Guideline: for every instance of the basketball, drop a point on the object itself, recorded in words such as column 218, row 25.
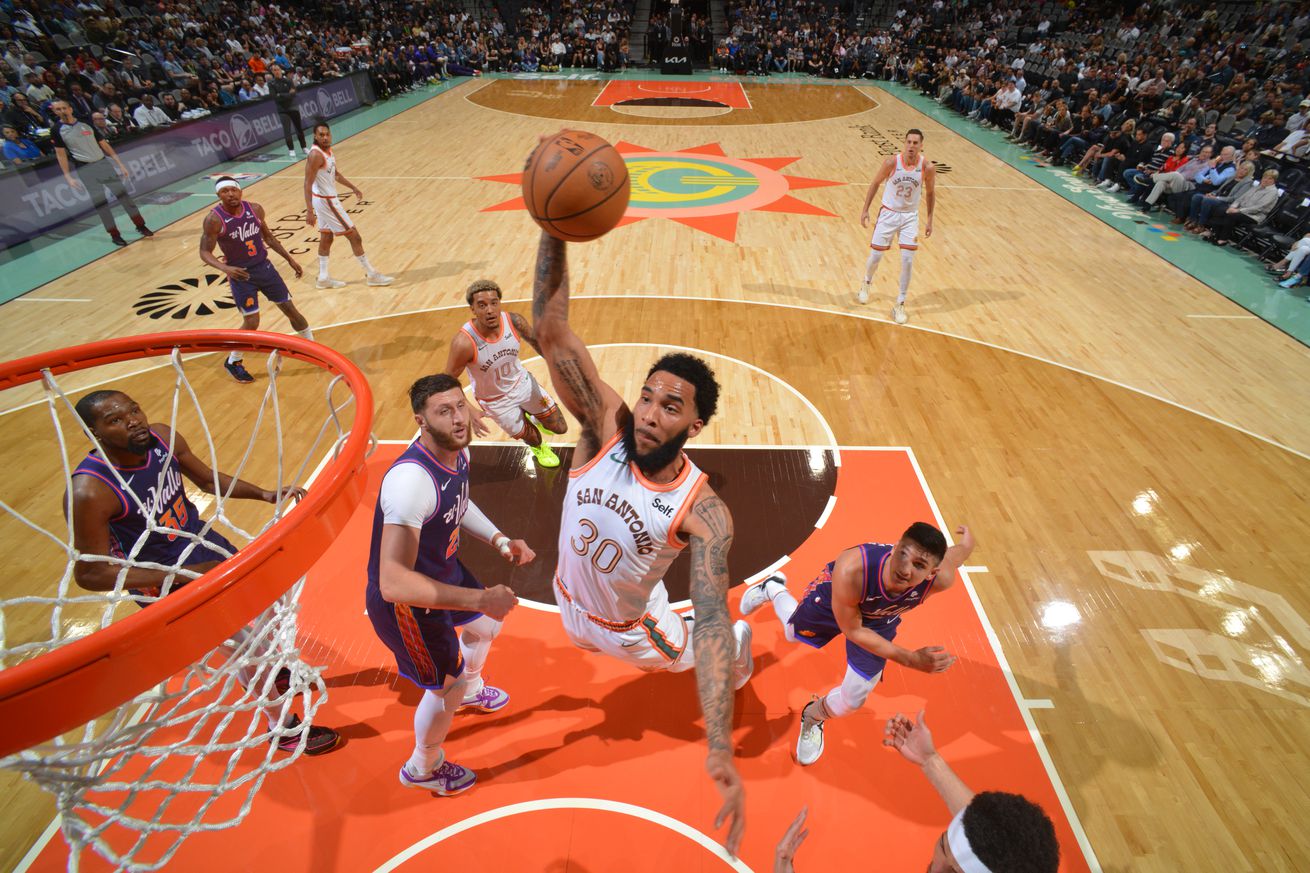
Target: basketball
column 575, row 185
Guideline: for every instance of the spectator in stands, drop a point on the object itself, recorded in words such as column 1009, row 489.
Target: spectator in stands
column 100, row 124
column 19, row 150
column 1145, row 183
column 37, row 90
column 120, row 120
column 1139, row 176
column 25, row 117
column 170, row 107
column 1203, row 204
column 1179, row 179
column 149, row 115
column 1295, row 265
column 1249, row 206
column 1118, row 149
column 1297, row 142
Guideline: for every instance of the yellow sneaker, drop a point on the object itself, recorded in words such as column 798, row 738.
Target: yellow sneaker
column 545, row 456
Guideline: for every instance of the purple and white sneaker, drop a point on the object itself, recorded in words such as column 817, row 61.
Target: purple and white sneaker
column 487, row 699
column 446, row 780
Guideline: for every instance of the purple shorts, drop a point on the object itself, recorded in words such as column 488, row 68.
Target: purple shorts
column 263, row 280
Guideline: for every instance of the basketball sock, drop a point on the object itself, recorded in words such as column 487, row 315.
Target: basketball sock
column 431, row 722
column 307, row 333
column 907, row 267
column 322, row 266
column 368, row 268
column 783, row 604
column 234, row 358
column 871, row 265
column 475, row 644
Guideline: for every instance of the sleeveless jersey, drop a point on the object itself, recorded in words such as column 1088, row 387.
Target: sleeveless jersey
column 495, row 369
column 158, row 486
column 325, row 180
column 618, row 533
column 240, row 239
column 878, row 609
column 438, row 539
column 901, row 194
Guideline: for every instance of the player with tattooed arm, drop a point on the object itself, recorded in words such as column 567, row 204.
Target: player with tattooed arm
column 634, row 501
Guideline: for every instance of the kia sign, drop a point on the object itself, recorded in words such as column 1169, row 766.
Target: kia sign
column 39, row 199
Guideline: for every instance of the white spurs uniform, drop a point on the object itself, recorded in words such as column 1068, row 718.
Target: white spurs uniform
column 328, row 210
column 500, row 384
column 899, row 214
column 617, row 537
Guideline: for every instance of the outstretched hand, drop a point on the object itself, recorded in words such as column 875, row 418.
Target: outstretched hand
column 912, row 740
column 726, row 778
column 790, row 842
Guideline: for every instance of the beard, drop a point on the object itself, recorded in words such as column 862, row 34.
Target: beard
column 449, row 441
column 656, row 459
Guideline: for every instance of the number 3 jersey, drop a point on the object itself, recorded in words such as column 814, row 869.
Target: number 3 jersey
column 154, row 491
column 618, row 533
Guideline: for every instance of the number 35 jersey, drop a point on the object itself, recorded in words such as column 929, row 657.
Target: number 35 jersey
column 618, row 533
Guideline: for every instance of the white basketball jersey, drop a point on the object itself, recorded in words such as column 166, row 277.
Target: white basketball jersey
column 495, row 369
column 325, row 180
column 619, row 532
column 901, row 193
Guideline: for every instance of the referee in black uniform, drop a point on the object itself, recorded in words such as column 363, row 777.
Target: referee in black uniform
column 83, row 150
column 283, row 91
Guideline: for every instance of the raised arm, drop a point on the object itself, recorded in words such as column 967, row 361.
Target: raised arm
column 956, row 555
column 709, row 528
column 884, row 172
column 593, row 403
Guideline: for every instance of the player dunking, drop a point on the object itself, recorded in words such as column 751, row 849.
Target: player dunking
column 131, row 482
column 634, row 500
column 324, row 210
column 861, row 596
column 419, row 591
column 907, row 176
column 488, row 347
column 237, row 227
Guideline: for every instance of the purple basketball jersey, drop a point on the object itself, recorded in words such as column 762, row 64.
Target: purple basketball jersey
column 240, row 239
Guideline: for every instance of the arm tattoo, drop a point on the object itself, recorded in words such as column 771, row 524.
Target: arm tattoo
column 550, row 285
column 525, row 331
column 712, row 634
column 573, row 377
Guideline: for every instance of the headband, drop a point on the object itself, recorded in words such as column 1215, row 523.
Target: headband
column 226, row 183
column 960, row 848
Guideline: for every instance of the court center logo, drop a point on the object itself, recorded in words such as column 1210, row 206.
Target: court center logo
column 206, row 295
column 702, row 188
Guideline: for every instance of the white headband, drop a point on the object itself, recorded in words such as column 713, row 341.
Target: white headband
column 226, row 183
column 965, row 859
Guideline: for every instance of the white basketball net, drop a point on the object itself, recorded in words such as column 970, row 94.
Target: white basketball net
column 189, row 754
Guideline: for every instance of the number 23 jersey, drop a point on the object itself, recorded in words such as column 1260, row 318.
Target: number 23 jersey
column 618, row 533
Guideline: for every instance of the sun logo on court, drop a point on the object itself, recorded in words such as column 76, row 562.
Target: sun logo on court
column 191, row 296
column 700, row 187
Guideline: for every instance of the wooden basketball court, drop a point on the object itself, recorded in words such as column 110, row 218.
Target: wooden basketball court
column 1129, row 450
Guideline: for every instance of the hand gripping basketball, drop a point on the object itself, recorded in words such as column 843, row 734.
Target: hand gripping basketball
column 575, row 186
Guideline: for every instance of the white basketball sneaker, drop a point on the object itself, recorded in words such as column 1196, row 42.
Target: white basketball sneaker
column 862, row 296
column 756, row 596
column 898, row 314
column 447, row 779
column 744, row 665
column 379, row 279
column 809, row 745
column 329, row 282
column 488, row 698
